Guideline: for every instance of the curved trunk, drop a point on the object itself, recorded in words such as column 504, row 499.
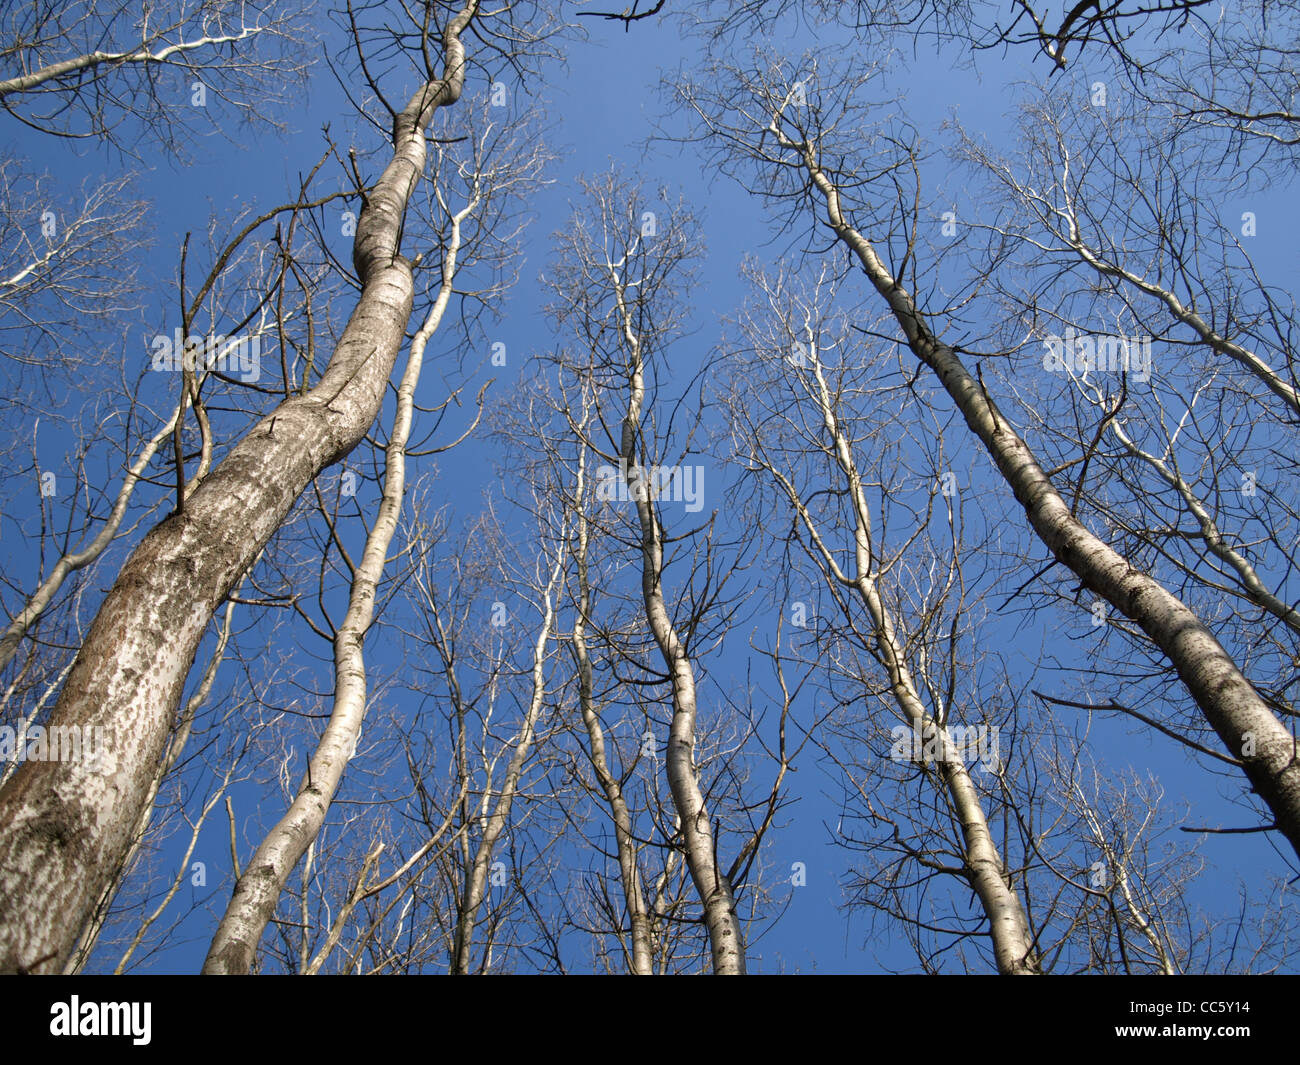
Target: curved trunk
column 714, row 888
column 64, row 826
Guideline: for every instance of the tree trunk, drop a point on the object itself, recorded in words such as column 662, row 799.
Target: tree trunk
column 726, row 945
column 64, row 826
column 1248, row 729
column 258, row 891
column 642, row 960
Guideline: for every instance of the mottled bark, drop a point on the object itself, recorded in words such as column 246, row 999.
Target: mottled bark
column 65, row 826
column 256, row 894
column 175, row 748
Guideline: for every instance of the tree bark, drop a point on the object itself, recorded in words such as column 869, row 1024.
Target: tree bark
column 65, row 826
column 258, row 890
column 1248, row 729
column 720, row 918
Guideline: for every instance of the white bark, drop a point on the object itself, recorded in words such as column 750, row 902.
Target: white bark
column 78, row 65
column 1211, row 535
column 720, row 918
column 64, row 827
column 175, row 748
column 1248, row 729
column 40, row 599
column 1013, row 940
column 1239, row 353
column 258, row 890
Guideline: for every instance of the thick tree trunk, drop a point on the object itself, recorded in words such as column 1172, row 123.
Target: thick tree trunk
column 258, row 891
column 65, row 826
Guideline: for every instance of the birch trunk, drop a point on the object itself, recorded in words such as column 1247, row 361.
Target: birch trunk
column 641, row 963
column 1249, row 730
column 65, row 827
column 726, row 945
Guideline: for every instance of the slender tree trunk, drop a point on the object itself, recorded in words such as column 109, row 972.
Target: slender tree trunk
column 258, row 890
column 641, row 963
column 720, row 918
column 76, row 560
column 1013, row 940
column 64, row 827
column 494, row 824
column 1249, row 730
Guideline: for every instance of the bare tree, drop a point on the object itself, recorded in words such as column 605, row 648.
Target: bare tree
column 65, row 268
column 799, row 423
column 485, row 180
column 822, row 176
column 634, row 899
column 134, row 660
column 555, row 729
column 616, row 284
column 83, row 70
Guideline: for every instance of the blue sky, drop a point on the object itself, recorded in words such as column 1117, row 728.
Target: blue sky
column 603, row 107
